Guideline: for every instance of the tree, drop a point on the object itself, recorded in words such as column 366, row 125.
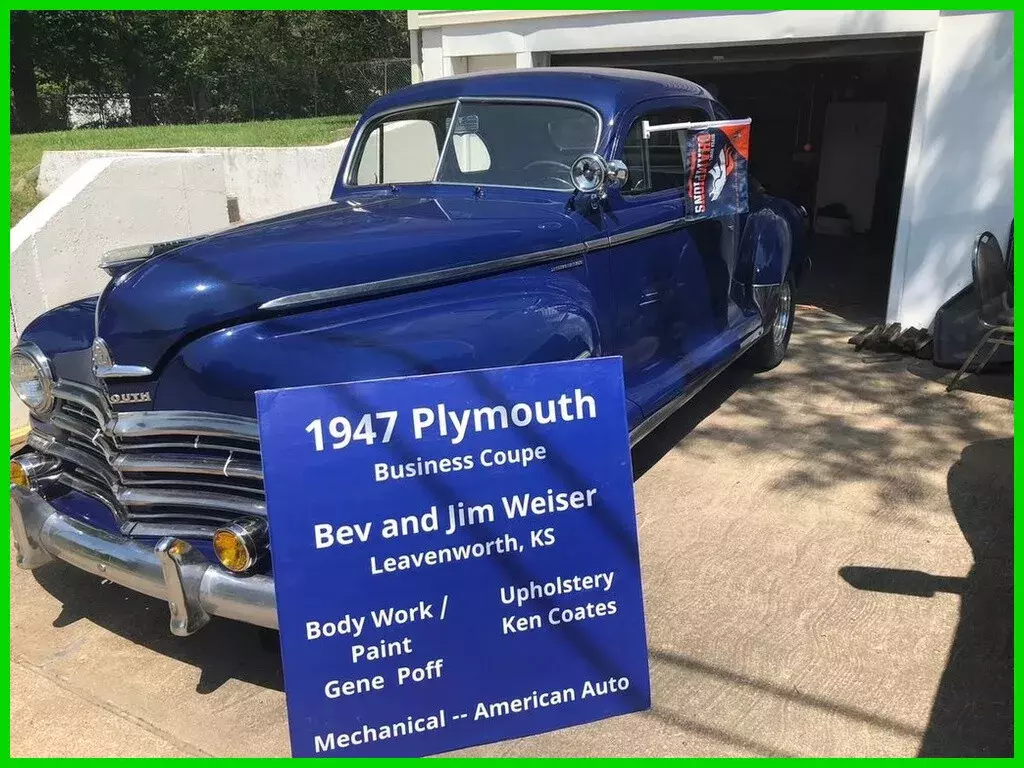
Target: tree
column 23, row 72
column 196, row 66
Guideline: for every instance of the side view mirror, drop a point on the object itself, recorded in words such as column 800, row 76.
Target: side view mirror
column 592, row 174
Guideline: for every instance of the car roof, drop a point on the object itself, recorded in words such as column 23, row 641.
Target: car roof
column 609, row 90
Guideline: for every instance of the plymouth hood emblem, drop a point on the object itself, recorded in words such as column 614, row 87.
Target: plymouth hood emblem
column 121, row 398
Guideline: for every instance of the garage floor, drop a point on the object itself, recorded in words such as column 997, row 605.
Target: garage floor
column 827, row 568
column 849, row 277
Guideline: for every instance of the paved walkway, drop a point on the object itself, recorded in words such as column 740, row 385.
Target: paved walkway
column 827, row 562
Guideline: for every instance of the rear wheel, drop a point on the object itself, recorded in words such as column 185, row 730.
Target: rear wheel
column 771, row 349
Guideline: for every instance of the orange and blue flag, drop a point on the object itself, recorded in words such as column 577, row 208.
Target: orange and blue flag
column 716, row 168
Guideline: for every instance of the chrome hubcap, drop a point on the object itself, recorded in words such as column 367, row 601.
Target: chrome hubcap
column 782, row 312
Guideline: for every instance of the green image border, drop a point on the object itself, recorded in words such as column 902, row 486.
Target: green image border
column 482, row 5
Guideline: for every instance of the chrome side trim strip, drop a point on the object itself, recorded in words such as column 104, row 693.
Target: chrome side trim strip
column 649, row 231
column 652, row 422
column 453, row 274
column 134, row 497
column 150, row 423
column 437, row 277
column 633, row 235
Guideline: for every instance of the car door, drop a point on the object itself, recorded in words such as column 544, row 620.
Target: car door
column 669, row 278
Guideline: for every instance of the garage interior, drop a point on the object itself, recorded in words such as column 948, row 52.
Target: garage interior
column 831, row 130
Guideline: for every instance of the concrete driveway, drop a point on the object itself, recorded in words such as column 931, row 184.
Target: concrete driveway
column 827, row 557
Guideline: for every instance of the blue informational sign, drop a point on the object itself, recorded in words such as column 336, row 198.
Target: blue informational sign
column 455, row 557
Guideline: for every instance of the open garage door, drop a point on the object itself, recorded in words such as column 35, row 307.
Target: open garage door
column 831, row 129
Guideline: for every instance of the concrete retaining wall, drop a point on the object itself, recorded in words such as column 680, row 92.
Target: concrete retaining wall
column 96, row 200
column 107, row 203
column 19, row 413
column 265, row 180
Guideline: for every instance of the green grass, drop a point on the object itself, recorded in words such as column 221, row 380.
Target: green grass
column 27, row 148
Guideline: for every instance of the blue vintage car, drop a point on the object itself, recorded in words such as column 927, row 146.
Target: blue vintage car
column 480, row 221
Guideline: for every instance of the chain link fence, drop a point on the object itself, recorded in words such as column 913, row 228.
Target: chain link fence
column 345, row 88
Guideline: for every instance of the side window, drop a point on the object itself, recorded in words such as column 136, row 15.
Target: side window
column 665, row 152
column 412, row 143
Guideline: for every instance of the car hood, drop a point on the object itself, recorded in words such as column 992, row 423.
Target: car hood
column 225, row 278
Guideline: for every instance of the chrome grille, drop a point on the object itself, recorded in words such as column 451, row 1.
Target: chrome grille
column 190, row 468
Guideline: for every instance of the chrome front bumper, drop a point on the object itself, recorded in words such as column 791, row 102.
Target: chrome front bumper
column 195, row 589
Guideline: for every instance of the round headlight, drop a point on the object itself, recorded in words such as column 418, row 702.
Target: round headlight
column 31, row 378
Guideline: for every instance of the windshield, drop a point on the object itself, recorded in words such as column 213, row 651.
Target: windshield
column 474, row 142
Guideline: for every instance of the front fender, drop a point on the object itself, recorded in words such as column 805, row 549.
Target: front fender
column 529, row 317
column 65, row 335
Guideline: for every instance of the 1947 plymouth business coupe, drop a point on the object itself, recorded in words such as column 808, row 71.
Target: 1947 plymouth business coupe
column 481, row 221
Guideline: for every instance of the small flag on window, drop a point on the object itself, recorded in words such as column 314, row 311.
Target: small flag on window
column 716, row 168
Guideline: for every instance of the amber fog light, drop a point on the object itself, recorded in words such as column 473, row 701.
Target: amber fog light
column 238, row 546
column 19, row 476
column 28, row 468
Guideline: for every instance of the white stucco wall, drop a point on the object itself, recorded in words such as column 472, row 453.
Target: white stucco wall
column 107, row 203
column 959, row 179
column 533, row 35
column 264, row 180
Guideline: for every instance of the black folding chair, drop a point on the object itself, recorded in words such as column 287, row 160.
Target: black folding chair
column 992, row 286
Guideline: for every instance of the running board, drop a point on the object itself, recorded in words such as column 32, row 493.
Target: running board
column 652, row 422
